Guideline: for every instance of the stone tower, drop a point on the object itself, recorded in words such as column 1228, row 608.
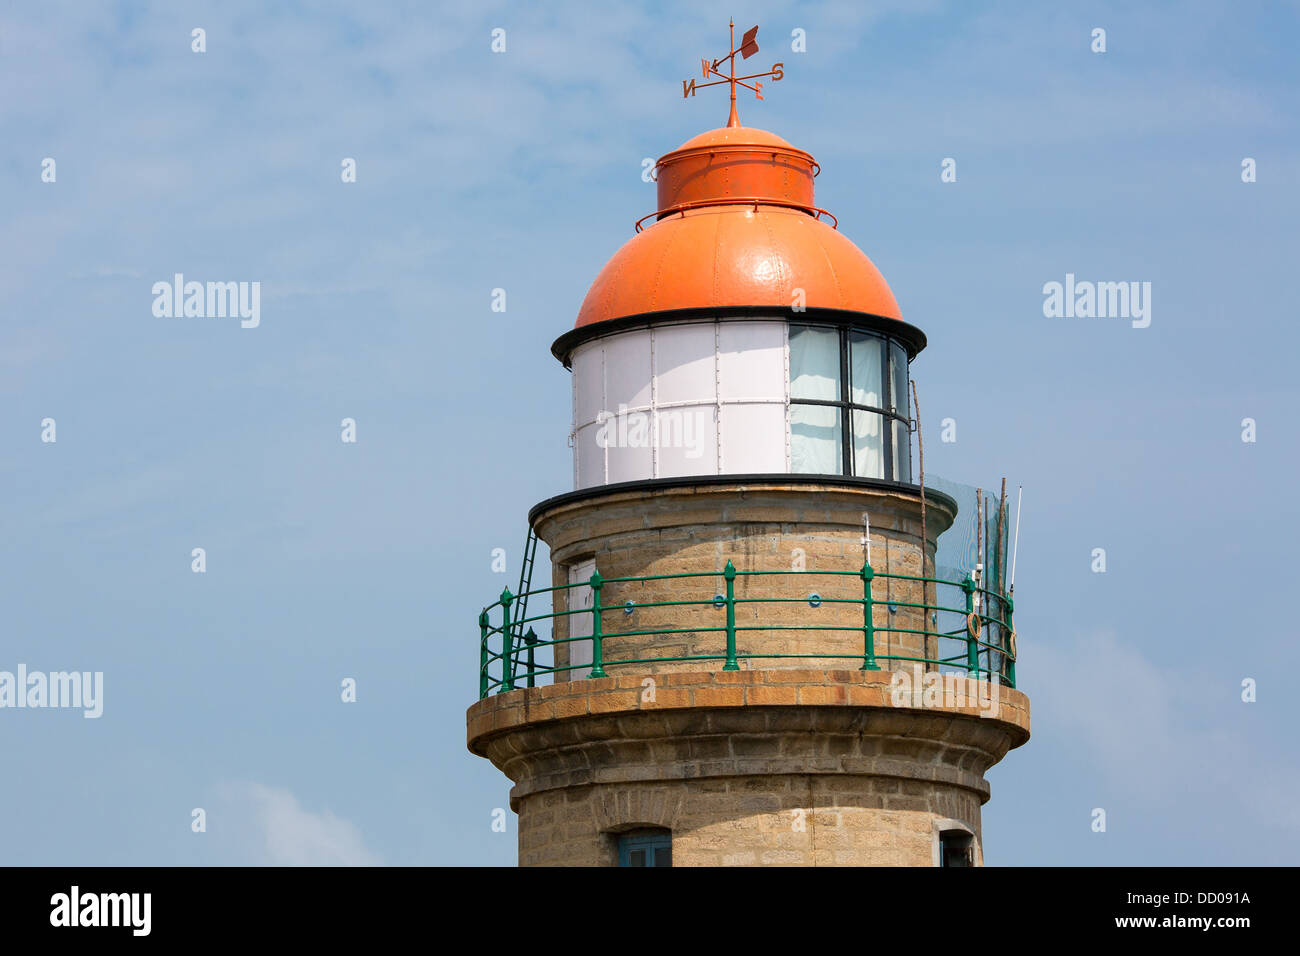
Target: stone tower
column 745, row 655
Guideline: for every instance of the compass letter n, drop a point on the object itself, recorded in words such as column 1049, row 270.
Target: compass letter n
column 688, row 88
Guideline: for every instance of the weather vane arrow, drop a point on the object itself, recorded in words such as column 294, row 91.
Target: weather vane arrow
column 748, row 47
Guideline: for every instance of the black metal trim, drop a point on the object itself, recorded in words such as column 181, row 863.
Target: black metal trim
column 912, row 338
column 654, row 484
column 846, row 391
column 861, row 408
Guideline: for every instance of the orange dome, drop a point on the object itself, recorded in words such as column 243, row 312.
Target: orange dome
column 736, row 227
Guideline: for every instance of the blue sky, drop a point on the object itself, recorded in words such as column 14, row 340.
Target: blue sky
column 522, row 171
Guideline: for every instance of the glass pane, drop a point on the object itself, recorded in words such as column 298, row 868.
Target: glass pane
column 636, row 858
column 868, row 445
column 902, row 452
column 814, row 363
column 866, row 366
column 664, row 856
column 901, row 399
column 816, row 445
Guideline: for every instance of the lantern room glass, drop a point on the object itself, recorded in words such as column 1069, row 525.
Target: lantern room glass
column 848, row 404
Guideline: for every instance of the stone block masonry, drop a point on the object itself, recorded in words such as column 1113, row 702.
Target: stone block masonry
column 777, row 767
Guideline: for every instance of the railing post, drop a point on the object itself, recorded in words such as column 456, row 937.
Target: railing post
column 507, row 643
column 868, row 622
column 729, row 574
column 972, row 644
column 1011, row 640
column 483, row 655
column 530, row 639
column 597, row 652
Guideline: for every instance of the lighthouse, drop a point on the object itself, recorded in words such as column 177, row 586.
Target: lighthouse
column 746, row 653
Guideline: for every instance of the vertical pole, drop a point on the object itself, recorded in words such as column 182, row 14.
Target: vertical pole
column 986, row 602
column 1011, row 657
column 729, row 573
column 1015, row 544
column 1002, row 539
column 868, row 622
column 507, row 646
column 597, row 652
column 972, row 645
column 734, row 118
column 483, row 655
column 925, row 538
column 530, row 639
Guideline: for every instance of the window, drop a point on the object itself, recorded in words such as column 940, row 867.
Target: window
column 848, row 404
column 955, row 848
column 645, row 848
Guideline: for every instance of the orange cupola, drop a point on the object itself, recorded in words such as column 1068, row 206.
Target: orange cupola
column 737, row 226
column 742, row 314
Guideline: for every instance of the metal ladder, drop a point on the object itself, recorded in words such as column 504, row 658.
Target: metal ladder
column 517, row 627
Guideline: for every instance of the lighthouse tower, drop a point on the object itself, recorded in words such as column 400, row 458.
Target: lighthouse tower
column 745, row 654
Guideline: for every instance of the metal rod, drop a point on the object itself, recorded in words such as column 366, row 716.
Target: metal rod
column 729, row 573
column 925, row 543
column 483, row 656
column 1002, row 534
column 868, row 622
column 1020, row 493
column 972, row 644
column 597, row 650
column 507, row 672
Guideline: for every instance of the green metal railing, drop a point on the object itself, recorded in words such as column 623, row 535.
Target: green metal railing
column 975, row 636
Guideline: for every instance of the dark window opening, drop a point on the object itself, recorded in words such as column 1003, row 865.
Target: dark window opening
column 956, row 848
column 645, row 848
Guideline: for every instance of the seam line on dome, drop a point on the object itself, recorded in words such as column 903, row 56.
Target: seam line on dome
column 717, row 238
column 659, row 268
column 771, row 244
column 839, row 291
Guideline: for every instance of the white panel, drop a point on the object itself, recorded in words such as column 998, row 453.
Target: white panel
column 580, row 652
column 627, row 370
column 753, row 439
column 591, row 457
column 751, row 361
column 588, row 382
column 688, row 441
column 628, row 440
column 684, row 364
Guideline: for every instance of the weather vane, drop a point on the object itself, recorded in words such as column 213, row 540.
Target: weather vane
column 748, row 47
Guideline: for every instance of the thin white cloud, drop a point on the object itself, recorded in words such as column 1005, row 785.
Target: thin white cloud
column 281, row 832
column 1142, row 726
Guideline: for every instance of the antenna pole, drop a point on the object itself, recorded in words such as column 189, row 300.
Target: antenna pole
column 1020, row 493
column 925, row 543
column 734, row 118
